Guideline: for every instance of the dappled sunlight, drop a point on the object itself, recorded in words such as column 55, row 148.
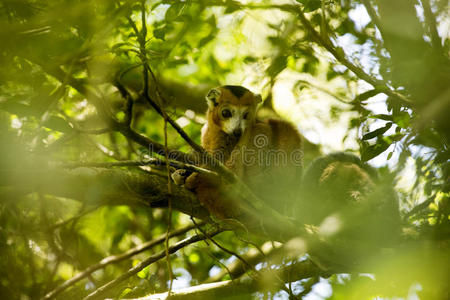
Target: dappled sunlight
column 330, row 225
column 266, row 149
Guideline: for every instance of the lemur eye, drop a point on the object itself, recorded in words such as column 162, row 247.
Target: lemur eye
column 245, row 116
column 226, row 113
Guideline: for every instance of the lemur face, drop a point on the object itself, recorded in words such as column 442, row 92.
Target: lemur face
column 232, row 108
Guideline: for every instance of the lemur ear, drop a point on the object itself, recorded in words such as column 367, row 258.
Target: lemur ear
column 212, row 98
column 258, row 98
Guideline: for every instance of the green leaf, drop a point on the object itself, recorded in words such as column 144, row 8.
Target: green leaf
column 331, row 74
column 174, row 11
column 250, row 59
column 205, row 40
column 176, row 62
column 316, row 19
column 389, row 155
column 382, row 117
column 212, row 21
column 393, row 105
column 371, row 151
column 402, row 119
column 310, row 67
column 377, row 132
column 278, row 65
column 428, row 188
column 143, row 273
column 119, row 45
column 125, row 292
column 58, row 124
column 394, row 137
column 310, row 5
column 160, row 33
column 366, row 95
column 232, row 6
column 22, row 110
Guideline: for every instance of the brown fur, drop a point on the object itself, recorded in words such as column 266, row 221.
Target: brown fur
column 268, row 177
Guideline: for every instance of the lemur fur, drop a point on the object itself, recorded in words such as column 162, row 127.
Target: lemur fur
column 265, row 154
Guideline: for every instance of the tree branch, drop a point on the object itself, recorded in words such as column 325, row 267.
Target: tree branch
column 263, row 281
column 133, row 163
column 236, row 268
column 141, row 36
column 104, row 186
column 375, row 18
column 105, row 113
column 326, row 91
column 338, row 53
column 100, row 292
column 115, row 259
column 430, row 19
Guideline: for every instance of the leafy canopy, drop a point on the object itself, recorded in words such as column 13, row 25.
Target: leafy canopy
column 373, row 73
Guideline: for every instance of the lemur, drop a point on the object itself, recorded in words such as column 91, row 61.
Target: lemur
column 265, row 154
column 349, row 201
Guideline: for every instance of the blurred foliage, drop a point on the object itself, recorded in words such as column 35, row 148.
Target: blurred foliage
column 49, row 49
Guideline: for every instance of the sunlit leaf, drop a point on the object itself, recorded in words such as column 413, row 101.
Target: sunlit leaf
column 371, row 151
column 310, row 5
column 58, row 124
column 377, row 132
column 278, row 65
column 160, row 33
column 382, row 117
column 175, row 11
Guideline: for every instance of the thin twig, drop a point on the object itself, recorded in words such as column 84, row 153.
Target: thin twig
column 103, row 149
column 246, row 285
column 172, row 249
column 146, row 95
column 55, row 96
column 223, row 248
column 323, row 22
column 247, row 265
column 128, row 101
column 83, row 87
column 325, row 42
column 94, row 131
column 76, row 217
column 430, row 19
column 236, row 269
column 339, row 54
column 173, row 123
column 217, row 260
column 307, row 286
column 117, row 258
column 416, row 209
column 142, row 38
column 133, row 163
column 169, row 200
column 244, row 261
column 375, row 18
column 323, row 90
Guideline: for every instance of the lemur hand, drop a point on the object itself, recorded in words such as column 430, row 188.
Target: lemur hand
column 180, row 175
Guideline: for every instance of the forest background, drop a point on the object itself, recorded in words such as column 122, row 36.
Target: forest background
column 87, row 88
